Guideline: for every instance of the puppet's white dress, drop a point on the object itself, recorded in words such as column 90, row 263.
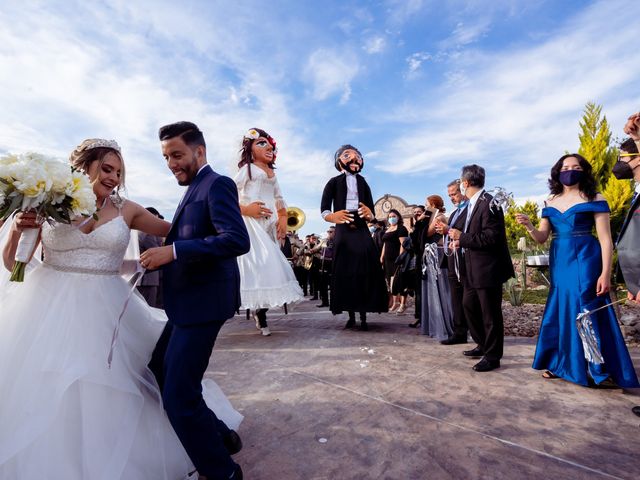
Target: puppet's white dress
column 64, row 415
column 266, row 277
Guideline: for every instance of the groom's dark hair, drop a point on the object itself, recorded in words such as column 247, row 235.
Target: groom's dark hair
column 188, row 131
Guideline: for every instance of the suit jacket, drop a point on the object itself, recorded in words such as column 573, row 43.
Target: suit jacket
column 628, row 268
column 335, row 191
column 458, row 224
column 150, row 278
column 635, row 205
column 487, row 262
column 203, row 283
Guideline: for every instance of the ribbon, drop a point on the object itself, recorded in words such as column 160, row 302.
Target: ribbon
column 501, row 199
column 135, row 280
column 588, row 336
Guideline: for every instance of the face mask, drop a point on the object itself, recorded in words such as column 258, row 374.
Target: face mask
column 570, row 177
column 463, row 204
column 372, row 229
column 393, row 220
column 622, row 170
column 463, row 189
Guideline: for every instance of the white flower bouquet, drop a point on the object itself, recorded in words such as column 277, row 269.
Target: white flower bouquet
column 54, row 190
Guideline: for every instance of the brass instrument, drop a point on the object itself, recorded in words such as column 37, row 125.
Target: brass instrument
column 295, row 219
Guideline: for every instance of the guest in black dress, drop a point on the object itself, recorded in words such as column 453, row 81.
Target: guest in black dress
column 357, row 283
column 392, row 248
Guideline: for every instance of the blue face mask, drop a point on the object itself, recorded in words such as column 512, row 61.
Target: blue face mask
column 463, row 203
column 570, row 177
column 393, row 220
column 372, row 229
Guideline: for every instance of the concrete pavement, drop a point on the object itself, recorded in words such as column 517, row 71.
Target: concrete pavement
column 321, row 402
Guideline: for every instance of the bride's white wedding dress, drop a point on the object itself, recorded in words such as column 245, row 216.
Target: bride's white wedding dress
column 64, row 415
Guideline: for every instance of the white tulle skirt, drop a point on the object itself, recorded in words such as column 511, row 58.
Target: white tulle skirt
column 63, row 413
column 266, row 277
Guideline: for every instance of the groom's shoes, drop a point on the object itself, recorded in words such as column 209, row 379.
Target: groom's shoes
column 232, row 442
column 237, row 474
column 486, row 365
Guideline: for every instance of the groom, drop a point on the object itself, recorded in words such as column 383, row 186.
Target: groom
column 201, row 291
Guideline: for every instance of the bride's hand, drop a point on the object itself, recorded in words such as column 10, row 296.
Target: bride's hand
column 24, row 220
column 603, row 284
column 156, row 257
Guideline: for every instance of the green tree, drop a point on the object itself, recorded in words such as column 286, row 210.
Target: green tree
column 513, row 228
column 595, row 146
column 594, row 143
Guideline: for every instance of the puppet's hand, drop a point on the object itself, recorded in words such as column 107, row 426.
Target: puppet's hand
column 365, row 212
column 341, row 216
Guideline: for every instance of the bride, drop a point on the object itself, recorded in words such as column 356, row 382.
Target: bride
column 64, row 413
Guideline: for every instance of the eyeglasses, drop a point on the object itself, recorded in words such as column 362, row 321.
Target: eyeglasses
column 346, row 155
column 620, row 155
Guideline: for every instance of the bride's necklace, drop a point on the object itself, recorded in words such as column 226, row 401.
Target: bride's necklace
column 86, row 220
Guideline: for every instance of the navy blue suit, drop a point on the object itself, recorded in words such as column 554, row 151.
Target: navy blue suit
column 201, row 291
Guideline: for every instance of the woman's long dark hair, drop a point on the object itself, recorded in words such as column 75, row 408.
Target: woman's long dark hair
column 587, row 183
column 245, row 151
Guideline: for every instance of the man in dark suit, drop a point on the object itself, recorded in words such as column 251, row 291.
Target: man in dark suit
column 485, row 266
column 457, row 221
column 201, row 292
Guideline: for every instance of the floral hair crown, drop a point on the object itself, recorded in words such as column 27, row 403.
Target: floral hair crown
column 102, row 143
column 252, row 134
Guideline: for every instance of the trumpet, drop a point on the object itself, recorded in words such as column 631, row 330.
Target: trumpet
column 295, row 219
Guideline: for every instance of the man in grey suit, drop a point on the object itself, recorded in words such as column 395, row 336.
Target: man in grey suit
column 151, row 282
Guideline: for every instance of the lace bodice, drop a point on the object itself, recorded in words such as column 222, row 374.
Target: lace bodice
column 100, row 251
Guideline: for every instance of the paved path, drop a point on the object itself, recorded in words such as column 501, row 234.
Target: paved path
column 324, row 403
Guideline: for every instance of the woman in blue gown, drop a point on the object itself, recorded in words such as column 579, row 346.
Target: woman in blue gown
column 580, row 267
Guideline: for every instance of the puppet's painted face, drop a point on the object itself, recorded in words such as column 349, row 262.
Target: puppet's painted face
column 350, row 161
column 262, row 151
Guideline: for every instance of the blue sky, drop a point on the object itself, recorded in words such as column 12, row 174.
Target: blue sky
column 420, row 87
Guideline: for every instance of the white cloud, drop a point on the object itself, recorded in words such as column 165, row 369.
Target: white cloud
column 65, row 81
column 330, row 73
column 522, row 105
column 415, row 61
column 374, row 45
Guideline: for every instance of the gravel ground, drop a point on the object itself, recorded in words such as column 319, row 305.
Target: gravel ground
column 524, row 321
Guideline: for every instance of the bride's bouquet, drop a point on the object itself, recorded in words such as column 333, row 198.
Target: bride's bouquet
column 56, row 191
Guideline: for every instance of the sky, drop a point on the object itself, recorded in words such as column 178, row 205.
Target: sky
column 421, row 87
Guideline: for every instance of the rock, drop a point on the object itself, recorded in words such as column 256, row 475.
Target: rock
column 628, row 319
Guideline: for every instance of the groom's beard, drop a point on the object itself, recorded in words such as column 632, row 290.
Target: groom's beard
column 190, row 171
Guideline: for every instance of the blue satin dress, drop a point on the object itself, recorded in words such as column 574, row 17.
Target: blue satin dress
column 575, row 261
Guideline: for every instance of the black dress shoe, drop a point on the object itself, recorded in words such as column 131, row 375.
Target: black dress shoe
column 322, row 305
column 453, row 340
column 636, row 410
column 475, row 353
column 485, row 365
column 415, row 324
column 364, row 327
column 350, row 323
column 237, row 474
column 232, row 442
